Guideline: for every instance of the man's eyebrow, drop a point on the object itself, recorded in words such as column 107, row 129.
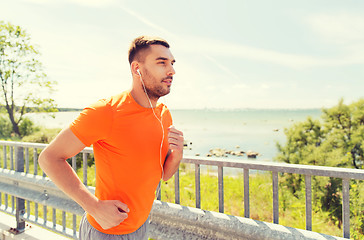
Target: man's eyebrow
column 164, row 59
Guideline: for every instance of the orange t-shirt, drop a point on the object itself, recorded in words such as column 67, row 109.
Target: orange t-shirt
column 126, row 139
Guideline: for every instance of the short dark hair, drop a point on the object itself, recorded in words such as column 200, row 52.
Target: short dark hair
column 142, row 43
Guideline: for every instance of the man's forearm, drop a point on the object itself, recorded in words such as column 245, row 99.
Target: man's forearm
column 63, row 176
column 171, row 165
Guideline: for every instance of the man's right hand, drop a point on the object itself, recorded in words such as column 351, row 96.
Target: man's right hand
column 110, row 213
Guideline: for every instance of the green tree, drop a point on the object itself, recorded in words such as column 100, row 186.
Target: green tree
column 345, row 132
column 24, row 85
column 336, row 140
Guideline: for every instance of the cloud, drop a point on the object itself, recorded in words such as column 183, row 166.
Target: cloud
column 222, row 67
column 264, row 86
column 211, row 48
column 42, row 2
column 94, row 3
column 217, row 48
column 146, row 21
column 87, row 3
column 343, row 28
column 340, row 28
column 241, row 86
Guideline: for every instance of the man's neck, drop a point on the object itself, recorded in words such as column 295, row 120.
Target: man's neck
column 141, row 98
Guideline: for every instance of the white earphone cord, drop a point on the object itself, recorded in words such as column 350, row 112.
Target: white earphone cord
column 160, row 121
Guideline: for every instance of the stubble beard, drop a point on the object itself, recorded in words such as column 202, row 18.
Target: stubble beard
column 156, row 91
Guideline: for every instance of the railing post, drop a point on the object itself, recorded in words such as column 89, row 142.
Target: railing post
column 20, row 203
column 35, row 161
column 176, row 187
column 197, row 185
column 74, row 219
column 11, row 149
column 221, row 188
column 308, row 202
column 84, row 165
column 346, row 208
column 63, row 221
column 159, row 190
column 246, row 194
column 275, row 197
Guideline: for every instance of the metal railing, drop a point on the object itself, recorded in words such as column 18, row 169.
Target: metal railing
column 275, row 168
column 19, row 182
column 21, row 179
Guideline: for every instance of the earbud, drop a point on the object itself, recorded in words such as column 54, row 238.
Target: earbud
column 138, row 71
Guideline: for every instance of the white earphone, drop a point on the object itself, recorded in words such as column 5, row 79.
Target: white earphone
column 160, row 121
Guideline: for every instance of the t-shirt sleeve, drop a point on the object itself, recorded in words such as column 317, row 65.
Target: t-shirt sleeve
column 93, row 123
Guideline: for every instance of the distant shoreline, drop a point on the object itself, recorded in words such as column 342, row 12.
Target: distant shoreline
column 69, row 109
column 34, row 110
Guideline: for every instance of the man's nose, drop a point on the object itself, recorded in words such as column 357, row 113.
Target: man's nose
column 171, row 71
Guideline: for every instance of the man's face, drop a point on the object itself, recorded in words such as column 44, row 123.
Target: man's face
column 157, row 71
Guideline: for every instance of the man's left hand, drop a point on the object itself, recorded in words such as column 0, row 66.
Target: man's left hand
column 176, row 141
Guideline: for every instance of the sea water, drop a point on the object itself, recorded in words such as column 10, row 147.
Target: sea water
column 256, row 130
column 244, row 130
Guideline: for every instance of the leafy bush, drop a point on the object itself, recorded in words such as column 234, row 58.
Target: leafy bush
column 26, row 127
column 42, row 135
column 5, row 127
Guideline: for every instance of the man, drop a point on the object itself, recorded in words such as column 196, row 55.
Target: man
column 135, row 145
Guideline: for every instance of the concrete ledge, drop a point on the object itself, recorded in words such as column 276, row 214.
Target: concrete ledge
column 172, row 221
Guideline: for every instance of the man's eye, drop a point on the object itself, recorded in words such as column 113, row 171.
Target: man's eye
column 161, row 62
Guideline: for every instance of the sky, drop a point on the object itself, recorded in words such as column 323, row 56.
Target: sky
column 229, row 54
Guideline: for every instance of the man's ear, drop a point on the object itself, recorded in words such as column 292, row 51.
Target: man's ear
column 134, row 68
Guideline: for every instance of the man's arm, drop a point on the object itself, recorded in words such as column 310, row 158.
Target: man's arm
column 175, row 154
column 53, row 161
